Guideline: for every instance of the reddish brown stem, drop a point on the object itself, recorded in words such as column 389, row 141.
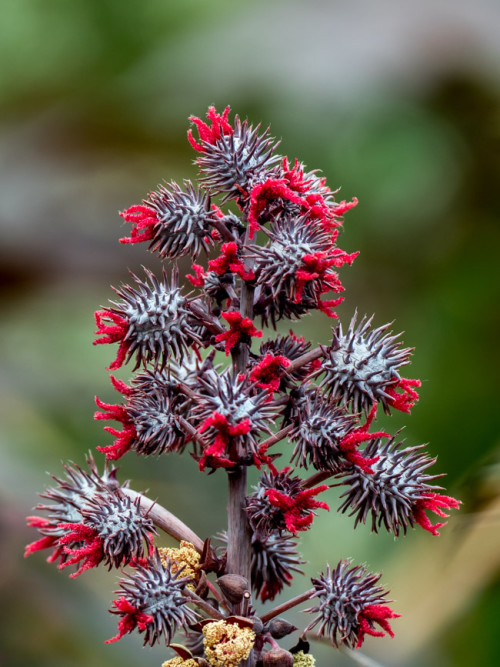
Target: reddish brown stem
column 315, row 479
column 222, row 229
column 165, row 520
column 202, row 604
column 305, row 359
column 285, row 606
column 239, row 535
column 273, row 439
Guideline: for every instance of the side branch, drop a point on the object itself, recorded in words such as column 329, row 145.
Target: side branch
column 306, row 358
column 165, row 520
column 273, row 439
column 285, row 606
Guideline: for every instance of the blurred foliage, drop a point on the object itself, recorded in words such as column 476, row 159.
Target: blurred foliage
column 94, row 97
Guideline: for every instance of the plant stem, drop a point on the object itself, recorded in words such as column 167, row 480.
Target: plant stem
column 239, row 534
column 273, row 439
column 165, row 520
column 317, row 478
column 305, row 359
column 202, row 604
column 285, row 606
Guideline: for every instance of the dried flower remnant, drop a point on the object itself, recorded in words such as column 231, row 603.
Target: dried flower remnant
column 203, row 385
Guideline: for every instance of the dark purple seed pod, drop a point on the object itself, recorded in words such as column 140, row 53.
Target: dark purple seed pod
column 233, row 586
column 279, row 628
column 159, row 325
column 155, row 594
column 274, row 559
column 185, row 221
column 395, row 490
column 360, row 366
column 236, row 401
column 155, row 416
column 318, row 430
column 350, row 603
column 122, row 527
column 235, row 161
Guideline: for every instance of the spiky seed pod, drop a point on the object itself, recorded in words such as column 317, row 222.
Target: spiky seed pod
column 234, row 161
column 273, row 559
column 350, row 603
column 280, row 503
column 361, row 367
column 155, row 417
column 67, row 501
column 151, row 598
column 230, row 412
column 121, row 526
column 318, row 431
column 190, row 368
column 277, row 263
column 271, row 309
column 185, row 221
column 398, row 492
column 155, row 322
column 150, row 415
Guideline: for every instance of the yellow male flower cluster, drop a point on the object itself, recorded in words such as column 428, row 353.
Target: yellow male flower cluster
column 227, row 644
column 185, row 557
column 301, row 659
column 180, row 662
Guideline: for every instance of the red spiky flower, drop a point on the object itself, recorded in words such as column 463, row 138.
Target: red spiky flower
column 210, row 135
column 229, row 261
column 144, row 220
column 240, row 329
column 268, row 372
column 280, row 502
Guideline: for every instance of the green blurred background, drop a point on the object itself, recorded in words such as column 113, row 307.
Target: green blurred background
column 399, row 104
